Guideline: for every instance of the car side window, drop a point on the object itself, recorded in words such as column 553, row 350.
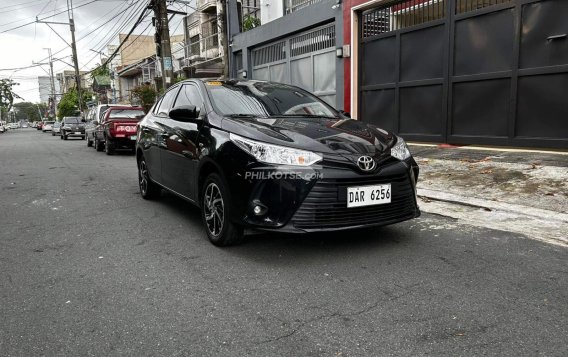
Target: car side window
column 166, row 102
column 189, row 95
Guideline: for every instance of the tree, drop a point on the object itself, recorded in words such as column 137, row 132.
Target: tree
column 7, row 96
column 146, row 94
column 29, row 111
column 69, row 104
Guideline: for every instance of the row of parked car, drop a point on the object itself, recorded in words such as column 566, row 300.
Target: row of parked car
column 107, row 127
column 4, row 127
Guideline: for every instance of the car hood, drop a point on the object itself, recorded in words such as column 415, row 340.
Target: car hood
column 325, row 135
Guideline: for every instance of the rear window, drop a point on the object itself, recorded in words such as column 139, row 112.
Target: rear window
column 126, row 113
column 49, row 122
column 102, row 111
column 72, row 120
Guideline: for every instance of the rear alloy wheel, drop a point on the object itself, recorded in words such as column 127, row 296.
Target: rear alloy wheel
column 148, row 189
column 215, row 213
column 109, row 148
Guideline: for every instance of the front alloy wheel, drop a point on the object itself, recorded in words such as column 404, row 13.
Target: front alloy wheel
column 215, row 213
column 148, row 189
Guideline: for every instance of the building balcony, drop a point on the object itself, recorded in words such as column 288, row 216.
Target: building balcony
column 207, row 5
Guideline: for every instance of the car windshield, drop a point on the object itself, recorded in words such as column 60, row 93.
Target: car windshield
column 72, row 120
column 262, row 99
column 49, row 122
column 126, row 113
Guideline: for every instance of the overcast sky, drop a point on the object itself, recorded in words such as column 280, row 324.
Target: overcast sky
column 96, row 22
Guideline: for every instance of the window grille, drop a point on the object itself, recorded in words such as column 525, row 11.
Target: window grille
column 402, row 15
column 312, row 41
column 272, row 53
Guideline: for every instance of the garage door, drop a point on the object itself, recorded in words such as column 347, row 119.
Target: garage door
column 306, row 60
column 467, row 71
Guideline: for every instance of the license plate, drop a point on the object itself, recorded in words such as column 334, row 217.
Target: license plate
column 368, row 195
column 77, row 133
column 133, row 137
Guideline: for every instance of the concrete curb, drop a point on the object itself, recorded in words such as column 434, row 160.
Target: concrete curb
column 492, row 205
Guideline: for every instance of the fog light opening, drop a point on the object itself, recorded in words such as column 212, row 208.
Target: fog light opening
column 258, row 208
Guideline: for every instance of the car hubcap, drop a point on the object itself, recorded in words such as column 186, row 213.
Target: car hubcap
column 214, row 209
column 143, row 177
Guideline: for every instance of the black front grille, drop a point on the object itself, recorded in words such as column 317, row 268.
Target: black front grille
column 326, row 204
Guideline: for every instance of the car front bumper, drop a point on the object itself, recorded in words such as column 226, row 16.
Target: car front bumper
column 314, row 199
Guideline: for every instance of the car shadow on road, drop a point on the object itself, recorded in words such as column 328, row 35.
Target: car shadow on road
column 269, row 246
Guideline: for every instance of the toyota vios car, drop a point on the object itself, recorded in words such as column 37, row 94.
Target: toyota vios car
column 270, row 156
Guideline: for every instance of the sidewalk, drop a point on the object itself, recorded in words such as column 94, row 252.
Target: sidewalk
column 507, row 189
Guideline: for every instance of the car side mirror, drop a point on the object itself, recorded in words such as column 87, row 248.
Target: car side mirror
column 185, row 113
column 344, row 113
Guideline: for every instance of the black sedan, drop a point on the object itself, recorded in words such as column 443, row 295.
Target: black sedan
column 270, row 156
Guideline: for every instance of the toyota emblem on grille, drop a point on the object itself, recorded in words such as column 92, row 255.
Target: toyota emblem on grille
column 366, row 163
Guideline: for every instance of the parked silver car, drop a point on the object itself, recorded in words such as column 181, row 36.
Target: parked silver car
column 56, row 128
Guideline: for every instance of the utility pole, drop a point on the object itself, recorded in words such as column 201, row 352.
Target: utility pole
column 222, row 35
column 73, row 46
column 74, row 49
column 163, row 47
column 52, row 82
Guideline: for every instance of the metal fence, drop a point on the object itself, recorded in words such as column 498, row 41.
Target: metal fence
column 409, row 13
column 463, row 6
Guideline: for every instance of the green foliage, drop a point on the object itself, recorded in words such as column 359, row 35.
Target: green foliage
column 29, row 111
column 250, row 22
column 100, row 71
column 146, row 94
column 69, row 105
column 6, row 94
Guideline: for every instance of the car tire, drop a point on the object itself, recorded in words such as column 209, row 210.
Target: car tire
column 52, row 133
column 148, row 189
column 109, row 148
column 215, row 213
column 98, row 145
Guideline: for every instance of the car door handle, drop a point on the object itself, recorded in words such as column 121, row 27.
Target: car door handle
column 188, row 154
column 556, row 37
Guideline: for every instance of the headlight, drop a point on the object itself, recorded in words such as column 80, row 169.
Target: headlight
column 400, row 150
column 274, row 154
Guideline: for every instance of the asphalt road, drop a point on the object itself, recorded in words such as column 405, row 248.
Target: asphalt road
column 89, row 268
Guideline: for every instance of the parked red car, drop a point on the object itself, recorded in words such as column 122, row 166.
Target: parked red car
column 118, row 129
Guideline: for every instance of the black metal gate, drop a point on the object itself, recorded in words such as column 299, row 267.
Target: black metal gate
column 467, row 71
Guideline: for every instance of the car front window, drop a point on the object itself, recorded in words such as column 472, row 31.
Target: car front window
column 265, row 100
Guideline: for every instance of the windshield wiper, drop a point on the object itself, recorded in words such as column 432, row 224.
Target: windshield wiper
column 303, row 116
column 244, row 115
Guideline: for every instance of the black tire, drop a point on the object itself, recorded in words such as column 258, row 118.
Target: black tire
column 215, row 212
column 109, row 148
column 64, row 136
column 52, row 133
column 98, row 145
column 148, row 189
